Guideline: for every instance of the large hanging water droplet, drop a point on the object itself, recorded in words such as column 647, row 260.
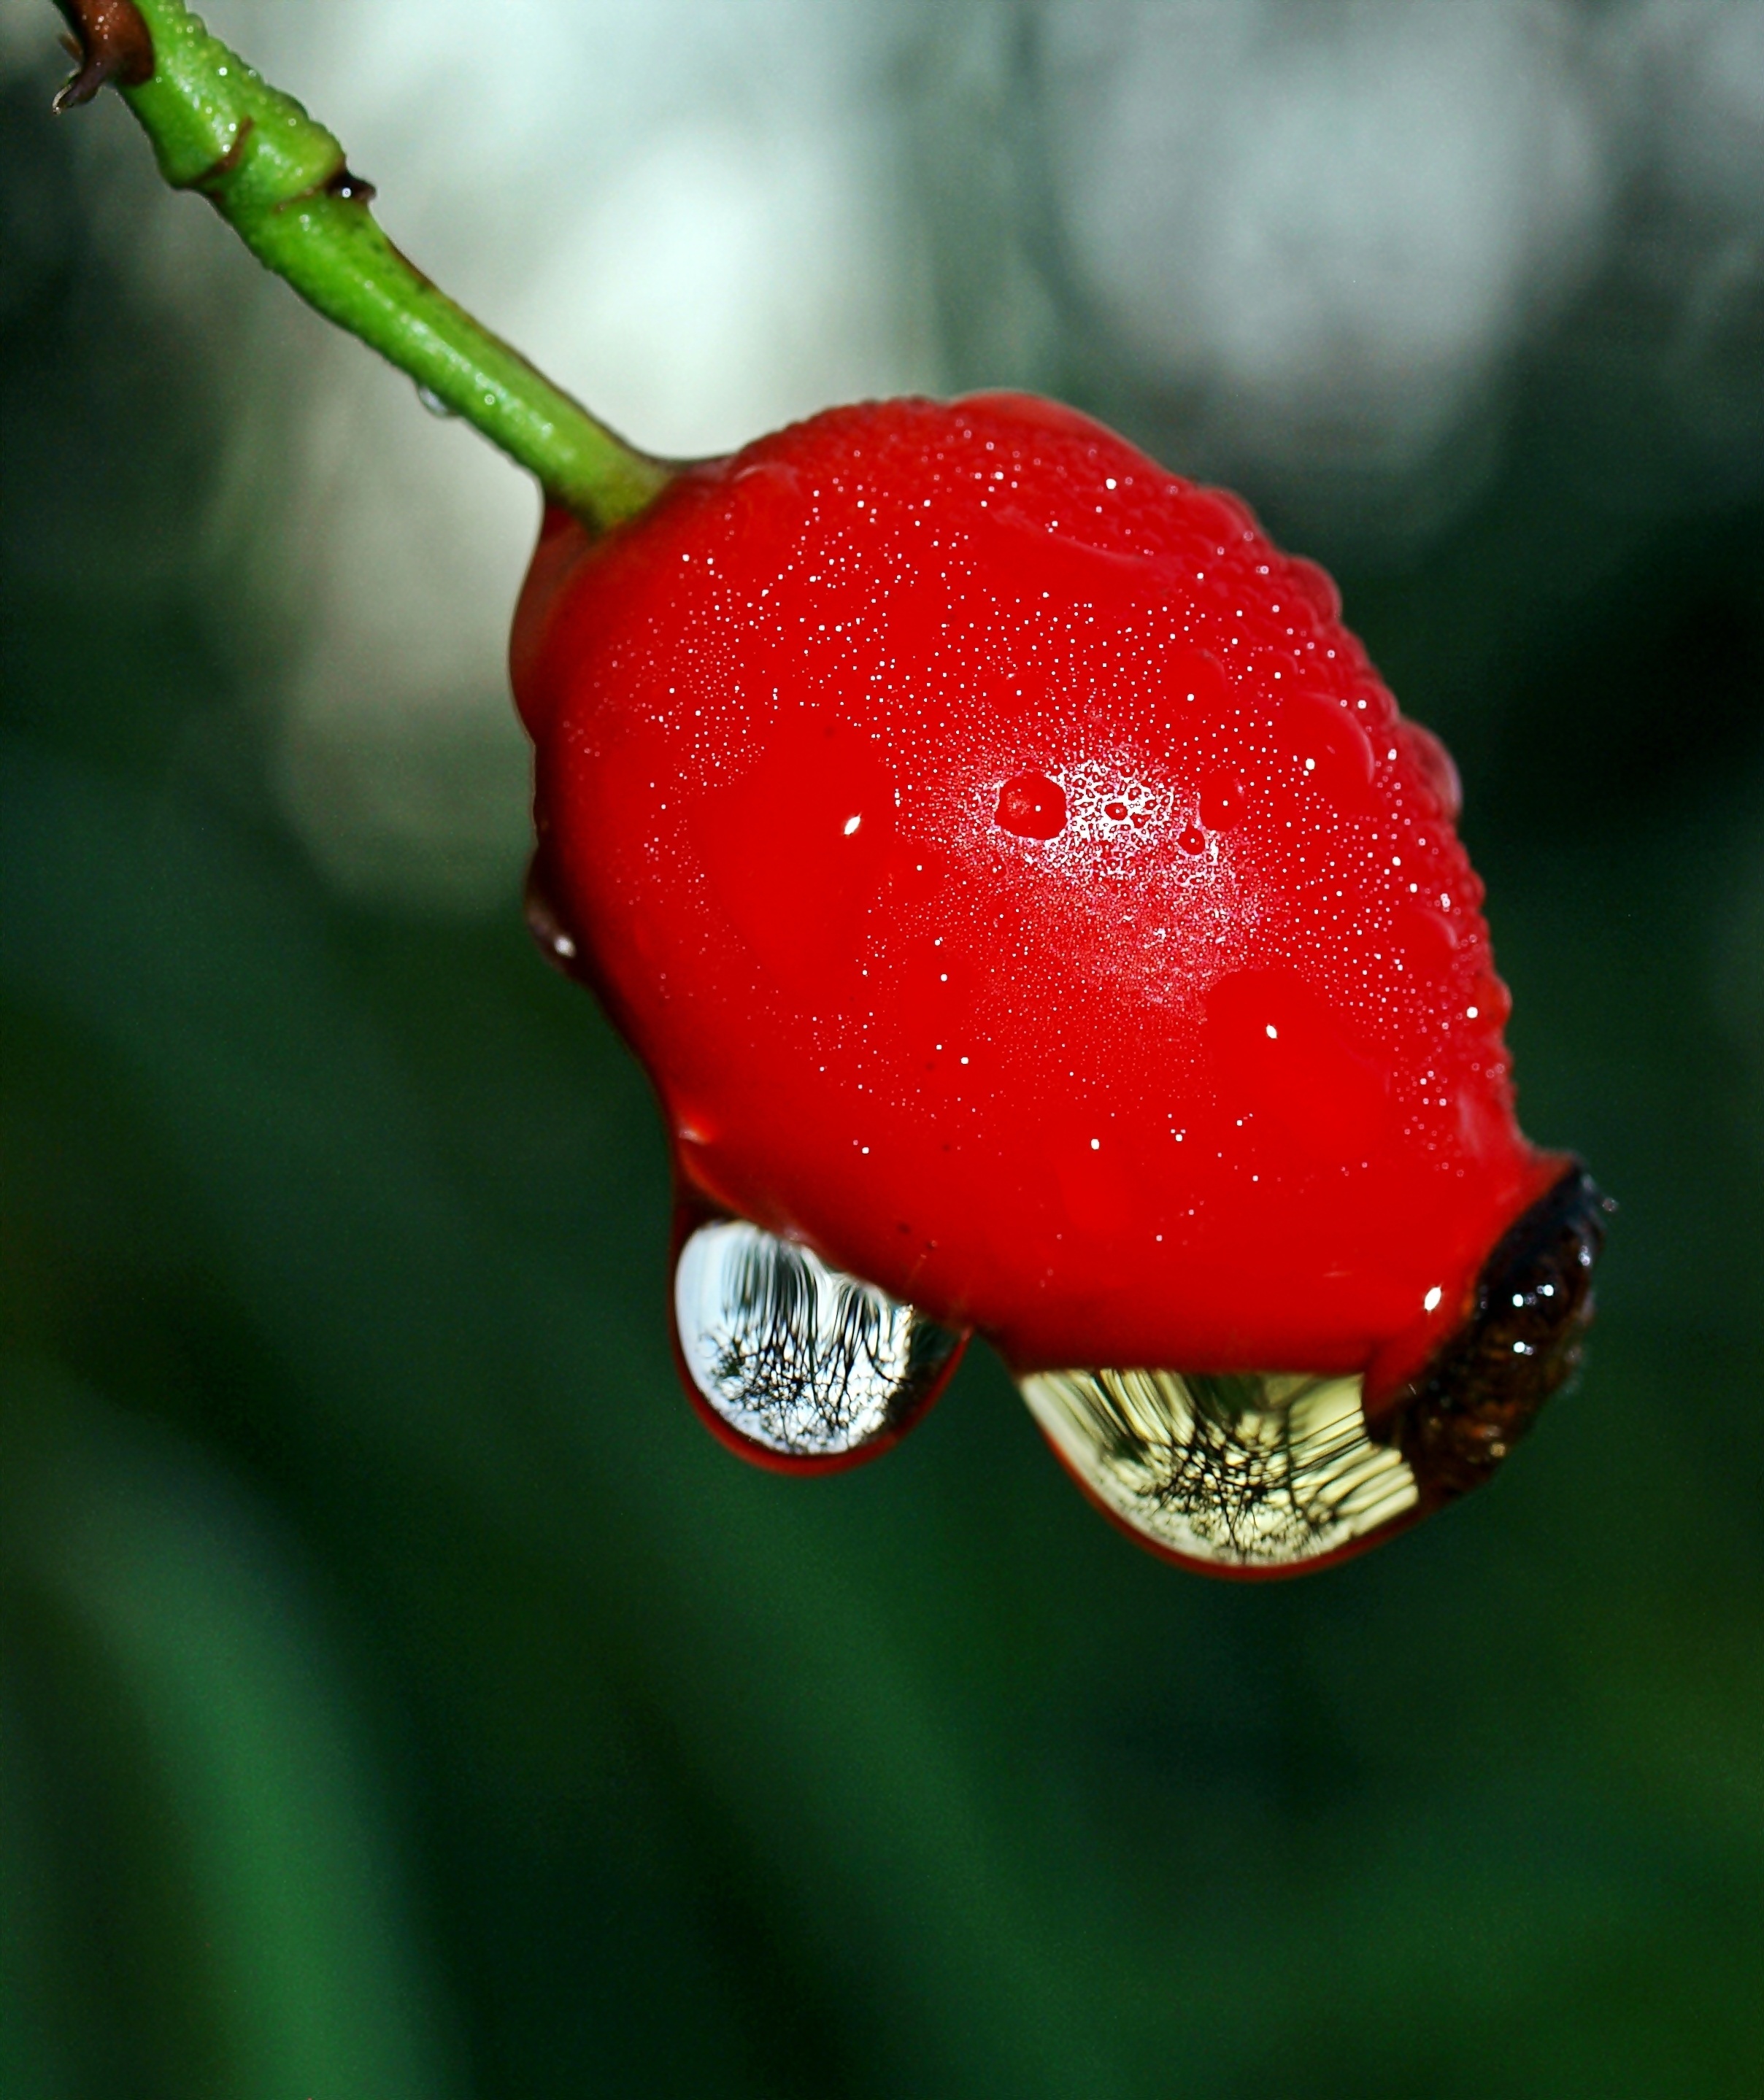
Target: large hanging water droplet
column 1261, row 1473
column 433, row 401
column 796, row 1358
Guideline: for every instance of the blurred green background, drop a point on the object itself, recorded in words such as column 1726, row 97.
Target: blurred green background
column 402, row 1695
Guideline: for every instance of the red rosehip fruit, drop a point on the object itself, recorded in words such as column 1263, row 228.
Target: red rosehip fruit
column 1037, row 920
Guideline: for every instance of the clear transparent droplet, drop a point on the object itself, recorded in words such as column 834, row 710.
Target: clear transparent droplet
column 433, row 401
column 796, row 1357
column 1265, row 1470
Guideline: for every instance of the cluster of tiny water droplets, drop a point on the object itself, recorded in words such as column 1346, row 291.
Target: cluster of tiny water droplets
column 1112, row 808
column 794, row 1355
column 1258, row 1470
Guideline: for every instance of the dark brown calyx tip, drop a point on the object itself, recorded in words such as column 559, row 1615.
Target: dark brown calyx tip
column 114, row 44
column 1458, row 1420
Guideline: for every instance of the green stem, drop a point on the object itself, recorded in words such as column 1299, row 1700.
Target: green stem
column 280, row 181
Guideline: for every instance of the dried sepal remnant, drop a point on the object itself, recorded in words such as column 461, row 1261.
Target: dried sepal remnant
column 1520, row 1343
column 113, row 44
column 1259, row 1473
column 796, row 1358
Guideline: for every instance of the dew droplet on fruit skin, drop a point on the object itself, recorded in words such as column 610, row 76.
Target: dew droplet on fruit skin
column 1492, row 999
column 545, row 922
column 1032, row 806
column 1435, row 763
column 794, row 1361
column 1223, row 802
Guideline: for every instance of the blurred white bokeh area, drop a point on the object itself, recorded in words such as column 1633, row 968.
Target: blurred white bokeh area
column 1331, row 229
column 1309, row 251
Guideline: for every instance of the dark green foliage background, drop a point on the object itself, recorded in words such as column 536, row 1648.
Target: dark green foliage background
column 403, row 1696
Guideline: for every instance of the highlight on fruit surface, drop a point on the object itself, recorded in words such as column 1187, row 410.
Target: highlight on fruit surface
column 1034, row 914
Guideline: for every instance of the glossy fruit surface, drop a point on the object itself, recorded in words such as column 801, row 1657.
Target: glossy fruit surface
column 1023, row 894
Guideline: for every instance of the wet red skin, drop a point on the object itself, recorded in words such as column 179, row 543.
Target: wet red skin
column 1209, row 1078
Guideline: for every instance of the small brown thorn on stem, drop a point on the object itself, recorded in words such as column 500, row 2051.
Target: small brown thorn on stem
column 352, row 188
column 113, row 44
